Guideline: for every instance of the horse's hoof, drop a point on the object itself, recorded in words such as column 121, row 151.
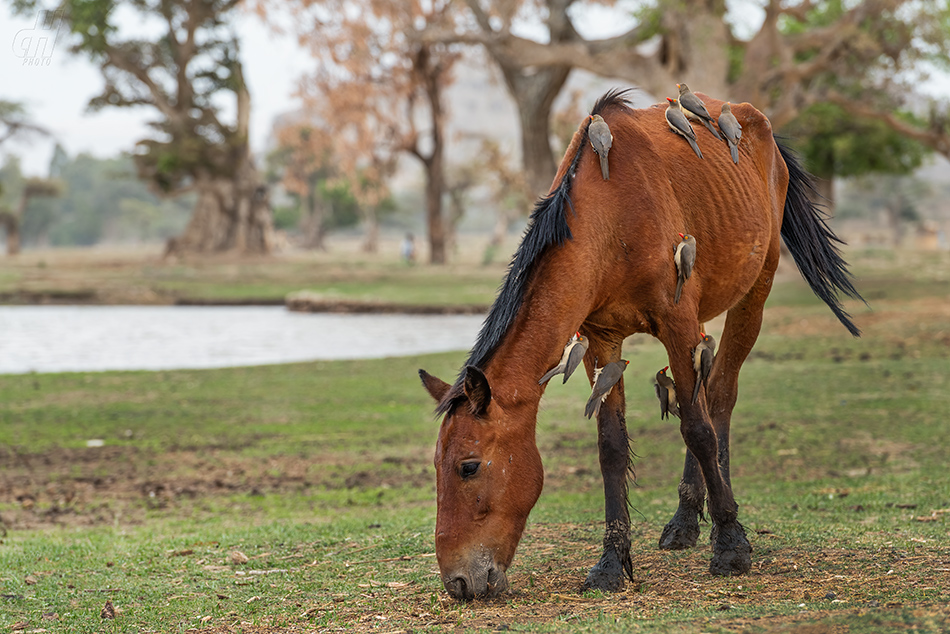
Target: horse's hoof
column 679, row 534
column 607, row 575
column 732, row 552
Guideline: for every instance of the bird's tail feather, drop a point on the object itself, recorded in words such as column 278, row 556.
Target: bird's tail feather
column 712, row 129
column 679, row 291
column 550, row 373
column 695, row 147
column 604, row 167
column 696, row 389
column 734, row 150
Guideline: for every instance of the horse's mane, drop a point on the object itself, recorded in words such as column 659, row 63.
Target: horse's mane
column 547, row 227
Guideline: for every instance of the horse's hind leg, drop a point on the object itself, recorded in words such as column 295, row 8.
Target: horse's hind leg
column 731, row 549
column 743, row 322
column 614, row 450
column 682, row 531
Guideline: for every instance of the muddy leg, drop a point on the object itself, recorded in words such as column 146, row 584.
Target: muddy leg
column 683, row 530
column 743, row 323
column 614, row 450
column 731, row 549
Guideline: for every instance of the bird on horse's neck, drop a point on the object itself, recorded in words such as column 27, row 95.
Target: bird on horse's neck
column 533, row 344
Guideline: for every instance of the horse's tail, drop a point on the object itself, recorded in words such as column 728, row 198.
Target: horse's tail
column 813, row 244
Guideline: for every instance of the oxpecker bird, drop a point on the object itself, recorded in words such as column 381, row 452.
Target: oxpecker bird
column 731, row 130
column 574, row 351
column 605, row 379
column 666, row 392
column 600, row 139
column 680, row 125
column 702, row 361
column 694, row 108
column 685, row 258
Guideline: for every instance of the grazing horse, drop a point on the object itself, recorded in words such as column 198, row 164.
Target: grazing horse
column 597, row 258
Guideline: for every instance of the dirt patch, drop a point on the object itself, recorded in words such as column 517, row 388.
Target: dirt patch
column 100, row 485
column 831, row 586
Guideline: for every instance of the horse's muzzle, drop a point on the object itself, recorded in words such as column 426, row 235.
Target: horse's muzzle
column 488, row 582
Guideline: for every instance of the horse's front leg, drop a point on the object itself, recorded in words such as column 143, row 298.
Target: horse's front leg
column 615, row 467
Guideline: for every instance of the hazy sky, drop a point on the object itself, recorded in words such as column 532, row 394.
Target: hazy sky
column 56, row 94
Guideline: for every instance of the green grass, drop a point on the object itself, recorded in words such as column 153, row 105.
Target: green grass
column 839, row 467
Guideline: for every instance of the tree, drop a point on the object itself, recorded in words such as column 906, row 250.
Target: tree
column 836, row 144
column 864, row 55
column 11, row 220
column 182, row 73
column 306, row 161
column 376, row 84
column 15, row 122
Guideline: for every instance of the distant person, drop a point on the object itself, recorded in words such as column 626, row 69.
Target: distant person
column 408, row 249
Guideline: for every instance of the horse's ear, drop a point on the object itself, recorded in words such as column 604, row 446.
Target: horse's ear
column 435, row 386
column 477, row 390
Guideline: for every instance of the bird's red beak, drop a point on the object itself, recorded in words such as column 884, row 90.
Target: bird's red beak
column 665, row 369
column 670, row 99
column 578, row 334
column 702, row 334
column 682, row 236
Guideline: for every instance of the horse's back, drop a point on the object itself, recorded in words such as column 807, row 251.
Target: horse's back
column 659, row 188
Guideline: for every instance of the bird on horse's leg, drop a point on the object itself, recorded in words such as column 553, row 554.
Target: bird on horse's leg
column 731, row 549
column 615, row 467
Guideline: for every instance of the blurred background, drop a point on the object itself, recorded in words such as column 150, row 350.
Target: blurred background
column 196, row 128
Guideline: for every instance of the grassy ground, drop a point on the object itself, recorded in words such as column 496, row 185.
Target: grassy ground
column 300, row 498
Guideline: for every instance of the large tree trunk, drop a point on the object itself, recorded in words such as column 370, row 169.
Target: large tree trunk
column 534, row 92
column 229, row 216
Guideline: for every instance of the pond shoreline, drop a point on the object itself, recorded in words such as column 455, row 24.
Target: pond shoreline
column 297, row 302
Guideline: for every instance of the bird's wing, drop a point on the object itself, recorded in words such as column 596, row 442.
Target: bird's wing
column 573, row 360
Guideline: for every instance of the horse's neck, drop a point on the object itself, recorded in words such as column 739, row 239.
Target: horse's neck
column 533, row 345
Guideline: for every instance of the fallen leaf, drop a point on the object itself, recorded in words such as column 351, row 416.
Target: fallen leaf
column 108, row 611
column 30, row 580
column 237, row 557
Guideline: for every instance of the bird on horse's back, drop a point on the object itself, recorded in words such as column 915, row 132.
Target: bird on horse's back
column 597, row 259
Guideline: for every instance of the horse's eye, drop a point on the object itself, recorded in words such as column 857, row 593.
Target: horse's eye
column 468, row 469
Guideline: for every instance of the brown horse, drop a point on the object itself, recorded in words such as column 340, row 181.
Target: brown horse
column 598, row 258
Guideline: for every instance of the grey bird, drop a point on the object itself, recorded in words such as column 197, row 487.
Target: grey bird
column 680, row 125
column 605, row 379
column 600, row 139
column 574, row 351
column 694, row 108
column 703, row 357
column 685, row 258
column 665, row 390
column 731, row 130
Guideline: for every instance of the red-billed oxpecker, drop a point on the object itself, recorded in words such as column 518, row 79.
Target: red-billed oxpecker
column 731, row 130
column 680, row 125
column 685, row 258
column 665, row 390
column 694, row 108
column 605, row 379
column 600, row 139
column 574, row 352
column 703, row 357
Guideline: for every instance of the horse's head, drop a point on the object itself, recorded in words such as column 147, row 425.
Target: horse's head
column 488, row 477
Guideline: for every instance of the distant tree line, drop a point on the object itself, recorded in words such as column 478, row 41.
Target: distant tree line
column 91, row 200
column 843, row 75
